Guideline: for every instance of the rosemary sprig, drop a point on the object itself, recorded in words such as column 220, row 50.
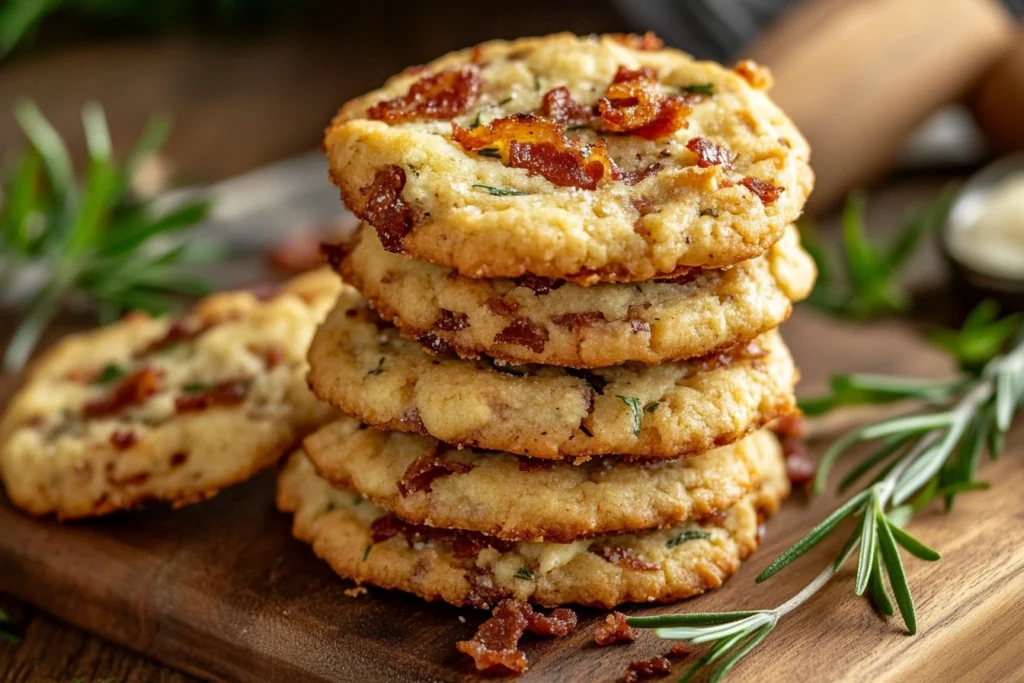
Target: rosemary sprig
column 927, row 455
column 92, row 240
column 866, row 282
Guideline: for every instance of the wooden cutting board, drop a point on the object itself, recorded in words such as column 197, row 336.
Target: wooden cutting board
column 222, row 591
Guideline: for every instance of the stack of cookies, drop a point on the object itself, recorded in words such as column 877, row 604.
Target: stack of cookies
column 556, row 352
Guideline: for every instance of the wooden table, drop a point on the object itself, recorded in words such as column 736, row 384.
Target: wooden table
column 979, row 542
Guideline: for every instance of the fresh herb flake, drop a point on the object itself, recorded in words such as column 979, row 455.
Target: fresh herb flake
column 366, row 553
column 636, row 409
column 110, row 372
column 500, row 191
column 651, row 407
column 379, row 369
column 195, row 387
column 536, row 83
column 524, row 574
column 687, row 536
column 491, row 152
column 698, row 89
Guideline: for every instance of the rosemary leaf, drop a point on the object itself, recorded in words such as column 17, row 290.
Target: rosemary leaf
column 636, row 410
column 897, row 576
column 756, row 639
column 869, row 525
column 913, row 545
column 500, row 191
column 692, row 619
column 877, row 592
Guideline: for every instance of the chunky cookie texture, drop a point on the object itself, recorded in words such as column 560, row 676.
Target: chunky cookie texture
column 367, row 370
column 166, row 410
column 364, row 542
column 423, row 481
column 589, row 159
column 581, row 327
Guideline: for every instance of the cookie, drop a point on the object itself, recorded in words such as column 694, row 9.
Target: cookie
column 365, row 368
column 423, row 481
column 166, row 410
column 581, row 327
column 588, row 159
column 363, row 542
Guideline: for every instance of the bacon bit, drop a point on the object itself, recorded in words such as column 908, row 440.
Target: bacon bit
column 710, row 154
column 495, row 646
column 614, row 630
column 790, row 426
column 523, row 332
column 443, row 95
column 483, row 592
column 272, row 355
column 181, row 330
column 679, row 651
column 641, row 669
column 179, row 459
column 643, row 205
column 501, row 307
column 728, row 353
column 535, row 464
column 633, row 104
column 624, row 557
column 422, row 472
column 541, row 147
column 463, row 544
column 637, row 326
column 431, row 342
column 578, row 321
column 639, row 175
column 477, row 54
column 648, row 41
column 537, row 284
column 558, row 105
column 123, row 439
column 764, row 190
column 229, row 392
column 716, row 518
column 133, row 390
column 450, row 321
column 753, row 73
column 791, row 431
column 334, row 254
column 685, row 277
column 385, row 209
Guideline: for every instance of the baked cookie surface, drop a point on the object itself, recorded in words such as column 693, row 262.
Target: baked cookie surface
column 582, row 327
column 166, row 410
column 366, row 369
column 363, row 542
column 423, row 481
column 584, row 158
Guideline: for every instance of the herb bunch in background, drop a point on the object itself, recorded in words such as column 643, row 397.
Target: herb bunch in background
column 89, row 240
column 862, row 280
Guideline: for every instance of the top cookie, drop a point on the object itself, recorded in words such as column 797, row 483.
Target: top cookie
column 161, row 409
column 588, row 159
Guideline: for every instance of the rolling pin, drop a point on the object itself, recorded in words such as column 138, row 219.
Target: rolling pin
column 998, row 100
column 858, row 76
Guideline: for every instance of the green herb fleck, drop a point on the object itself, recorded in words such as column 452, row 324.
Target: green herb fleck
column 377, row 370
column 109, row 373
column 698, row 89
column 194, row 387
column 651, row 407
column 709, row 212
column 524, row 574
column 331, row 507
column 687, row 536
column 499, row 191
column 536, row 83
column 636, row 408
column 504, row 101
column 491, row 152
column 366, row 553
column 475, row 123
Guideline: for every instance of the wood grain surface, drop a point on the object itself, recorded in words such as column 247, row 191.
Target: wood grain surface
column 221, row 590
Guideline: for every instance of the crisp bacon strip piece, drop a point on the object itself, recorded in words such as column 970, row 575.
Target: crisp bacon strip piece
column 422, row 472
column 791, row 431
column 764, row 190
column 624, row 557
column 463, row 544
column 385, row 209
column 495, row 646
column 523, row 332
column 558, row 105
column 541, row 147
column 710, row 154
column 634, row 104
column 614, row 630
column 227, row 393
column 181, row 330
column 642, row 669
column 443, row 95
column 133, row 390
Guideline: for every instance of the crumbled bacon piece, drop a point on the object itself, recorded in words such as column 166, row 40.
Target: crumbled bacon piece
column 791, row 431
column 639, row 175
column 133, row 390
column 641, row 669
column 726, row 354
column 502, row 307
column 450, row 321
column 422, row 472
column 535, row 464
column 636, row 326
column 484, row 593
column 334, row 254
column 462, row 544
column 764, row 190
column 558, row 105
column 385, row 209
column 537, row 284
column 431, row 342
column 753, row 73
column 710, row 154
column 624, row 557
column 541, row 147
column 790, row 426
column 684, row 277
column 181, row 330
column 578, row 321
column 495, row 646
column 226, row 393
column 648, row 41
column 123, row 439
column 523, row 332
column 443, row 95
column 633, row 104
column 678, row 651
column 614, row 630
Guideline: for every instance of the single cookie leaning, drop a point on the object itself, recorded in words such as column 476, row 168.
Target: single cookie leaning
column 170, row 410
column 581, row 327
column 589, row 159
column 365, row 368
column 363, row 542
column 423, row 481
